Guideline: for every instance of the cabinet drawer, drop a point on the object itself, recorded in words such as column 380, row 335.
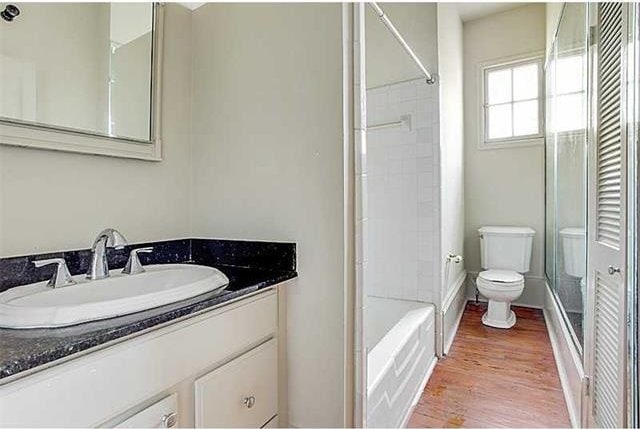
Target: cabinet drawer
column 242, row 393
column 162, row 414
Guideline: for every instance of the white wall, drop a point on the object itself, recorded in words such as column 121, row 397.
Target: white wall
column 268, row 164
column 450, row 64
column 54, row 200
column 502, row 186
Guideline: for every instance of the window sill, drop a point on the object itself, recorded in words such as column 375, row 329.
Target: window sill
column 511, row 144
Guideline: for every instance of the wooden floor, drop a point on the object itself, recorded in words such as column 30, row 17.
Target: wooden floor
column 495, row 378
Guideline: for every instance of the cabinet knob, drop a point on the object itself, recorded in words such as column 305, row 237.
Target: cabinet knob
column 249, row 401
column 612, row 270
column 169, row 420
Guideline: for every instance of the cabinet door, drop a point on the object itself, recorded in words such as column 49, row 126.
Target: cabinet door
column 162, row 414
column 242, row 393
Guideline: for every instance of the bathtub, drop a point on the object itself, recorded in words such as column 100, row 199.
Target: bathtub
column 400, row 339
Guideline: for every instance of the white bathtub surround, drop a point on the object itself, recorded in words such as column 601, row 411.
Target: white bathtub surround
column 400, row 360
column 402, row 204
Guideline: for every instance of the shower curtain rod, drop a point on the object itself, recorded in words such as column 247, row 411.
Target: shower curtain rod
column 431, row 78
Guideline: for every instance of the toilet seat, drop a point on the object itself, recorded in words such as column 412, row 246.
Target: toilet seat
column 507, row 277
column 500, row 282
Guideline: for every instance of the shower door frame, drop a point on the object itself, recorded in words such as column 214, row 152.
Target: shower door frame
column 633, row 218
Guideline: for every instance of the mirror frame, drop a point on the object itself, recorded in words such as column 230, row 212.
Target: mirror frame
column 43, row 136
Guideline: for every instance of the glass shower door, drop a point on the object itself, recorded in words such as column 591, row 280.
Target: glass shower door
column 566, row 167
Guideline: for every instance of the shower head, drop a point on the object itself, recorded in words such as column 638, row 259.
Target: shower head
column 10, row 12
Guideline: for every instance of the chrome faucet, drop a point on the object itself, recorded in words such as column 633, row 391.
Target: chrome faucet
column 134, row 266
column 98, row 267
column 61, row 276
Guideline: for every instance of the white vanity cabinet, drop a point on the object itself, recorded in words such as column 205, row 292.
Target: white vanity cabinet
column 216, row 369
column 242, row 393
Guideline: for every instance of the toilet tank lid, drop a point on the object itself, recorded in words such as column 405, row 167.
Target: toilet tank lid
column 507, row 230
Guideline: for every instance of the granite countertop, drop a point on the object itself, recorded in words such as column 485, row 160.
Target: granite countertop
column 23, row 350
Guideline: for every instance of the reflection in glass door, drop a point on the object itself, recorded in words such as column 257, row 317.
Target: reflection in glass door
column 566, row 167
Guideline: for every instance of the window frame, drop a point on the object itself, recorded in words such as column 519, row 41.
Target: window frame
column 517, row 141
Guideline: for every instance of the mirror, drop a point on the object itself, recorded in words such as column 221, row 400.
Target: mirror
column 80, row 68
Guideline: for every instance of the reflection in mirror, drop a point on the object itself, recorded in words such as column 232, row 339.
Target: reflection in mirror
column 80, row 66
column 566, row 165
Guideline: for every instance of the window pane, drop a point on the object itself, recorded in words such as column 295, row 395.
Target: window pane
column 525, row 118
column 568, row 113
column 499, row 86
column 499, row 121
column 569, row 74
column 525, row 82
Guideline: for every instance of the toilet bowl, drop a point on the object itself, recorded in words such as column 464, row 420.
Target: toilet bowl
column 505, row 253
column 500, row 287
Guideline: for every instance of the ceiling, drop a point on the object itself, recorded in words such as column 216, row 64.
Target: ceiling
column 471, row 11
column 191, row 6
column 467, row 11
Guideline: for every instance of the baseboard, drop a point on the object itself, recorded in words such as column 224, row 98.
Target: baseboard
column 418, row 395
column 451, row 331
column 553, row 320
column 513, row 304
column 445, row 338
column 454, row 331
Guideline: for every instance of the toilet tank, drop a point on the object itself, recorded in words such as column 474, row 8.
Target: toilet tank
column 573, row 249
column 506, row 247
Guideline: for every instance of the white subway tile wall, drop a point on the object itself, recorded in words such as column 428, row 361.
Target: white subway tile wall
column 399, row 201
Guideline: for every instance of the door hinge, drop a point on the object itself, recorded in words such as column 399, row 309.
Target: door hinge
column 586, row 385
column 593, row 35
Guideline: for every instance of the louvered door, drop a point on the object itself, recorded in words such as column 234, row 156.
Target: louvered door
column 606, row 347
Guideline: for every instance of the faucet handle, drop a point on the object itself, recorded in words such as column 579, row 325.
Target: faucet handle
column 134, row 266
column 61, row 276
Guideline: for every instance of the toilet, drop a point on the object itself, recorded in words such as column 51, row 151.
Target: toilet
column 505, row 253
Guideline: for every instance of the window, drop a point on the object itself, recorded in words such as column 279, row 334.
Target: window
column 512, row 107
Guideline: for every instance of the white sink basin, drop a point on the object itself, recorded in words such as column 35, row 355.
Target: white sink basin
column 39, row 306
